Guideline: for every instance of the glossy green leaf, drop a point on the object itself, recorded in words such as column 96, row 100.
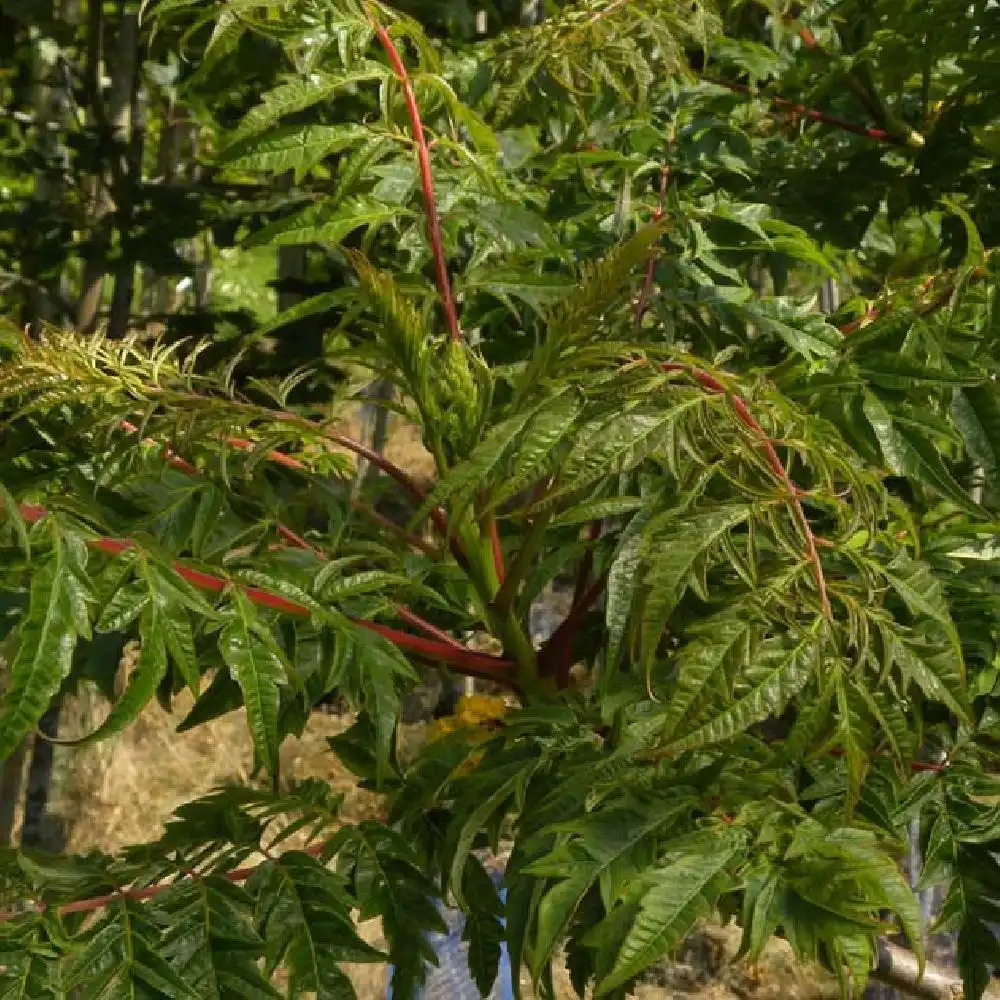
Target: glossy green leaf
column 297, row 95
column 700, row 659
column 779, row 673
column 672, row 549
column 304, row 915
column 908, row 454
column 325, row 223
column 294, row 147
column 48, row 637
column 254, row 664
column 210, row 939
column 680, row 893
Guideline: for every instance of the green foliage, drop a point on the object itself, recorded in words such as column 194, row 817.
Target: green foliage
column 778, row 527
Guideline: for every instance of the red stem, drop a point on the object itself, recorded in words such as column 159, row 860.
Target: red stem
column 878, row 134
column 172, row 459
column 458, row 657
column 392, row 470
column 873, row 313
column 290, row 462
column 279, row 458
column 290, row 536
column 426, row 627
column 586, row 563
column 296, row 540
column 497, row 548
column 647, row 286
column 383, row 522
column 99, row 902
column 916, row 766
column 743, row 414
column 556, row 656
column 877, row 312
column 426, row 181
column 808, row 38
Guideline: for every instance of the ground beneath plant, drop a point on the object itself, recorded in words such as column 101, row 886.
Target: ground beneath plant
column 123, row 791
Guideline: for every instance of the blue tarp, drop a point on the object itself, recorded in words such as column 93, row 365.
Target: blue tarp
column 451, row 980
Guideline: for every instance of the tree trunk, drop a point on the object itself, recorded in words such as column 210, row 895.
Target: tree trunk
column 45, row 107
column 11, row 780
column 121, row 304
column 158, row 294
column 38, row 830
column 829, row 296
column 374, row 427
column 201, row 247
column 108, row 187
column 898, row 969
column 292, row 264
column 532, row 12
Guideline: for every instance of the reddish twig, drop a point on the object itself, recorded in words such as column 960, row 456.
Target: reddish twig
column 149, row 892
column 870, row 314
column 298, row 542
column 237, row 875
column 647, row 285
column 938, row 302
column 916, row 766
column 556, row 656
column 425, row 626
column 290, row 462
column 743, row 414
column 458, row 657
column 426, row 180
column 277, row 457
column 808, row 38
column 172, row 459
column 392, row 470
column 586, row 563
column 384, row 522
column 497, row 549
column 880, row 135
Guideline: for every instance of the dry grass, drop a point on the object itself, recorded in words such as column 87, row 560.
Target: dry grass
column 123, row 791
column 404, row 446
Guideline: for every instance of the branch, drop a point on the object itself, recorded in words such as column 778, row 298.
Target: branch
column 457, row 657
column 494, row 535
column 392, row 470
column 404, row 479
column 321, row 430
column 880, row 135
column 556, row 656
column 745, row 417
column 899, row 968
column 647, row 286
column 594, row 531
column 861, row 84
column 426, row 180
column 100, row 902
column 298, row 542
column 290, row 462
column 928, row 309
column 400, row 532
